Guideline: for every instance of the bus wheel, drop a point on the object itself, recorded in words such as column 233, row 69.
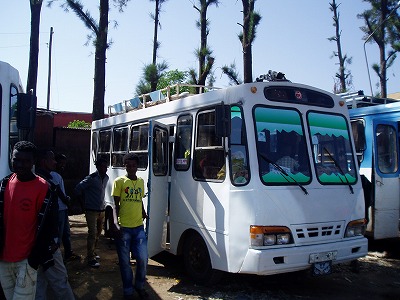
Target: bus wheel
column 197, row 261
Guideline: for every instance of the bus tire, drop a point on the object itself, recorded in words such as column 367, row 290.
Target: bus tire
column 197, row 261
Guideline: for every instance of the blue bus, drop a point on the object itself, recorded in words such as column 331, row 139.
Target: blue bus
column 375, row 126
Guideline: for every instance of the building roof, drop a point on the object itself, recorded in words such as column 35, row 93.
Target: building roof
column 394, row 96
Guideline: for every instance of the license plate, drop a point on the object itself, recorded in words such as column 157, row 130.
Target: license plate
column 322, row 256
column 322, row 268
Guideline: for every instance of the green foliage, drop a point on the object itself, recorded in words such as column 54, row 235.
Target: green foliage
column 232, row 73
column 79, row 124
column 151, row 75
column 173, row 77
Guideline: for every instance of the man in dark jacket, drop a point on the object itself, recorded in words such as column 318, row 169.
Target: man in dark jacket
column 26, row 228
column 52, row 281
column 92, row 189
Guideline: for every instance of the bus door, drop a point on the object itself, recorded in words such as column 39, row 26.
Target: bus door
column 385, row 179
column 157, row 187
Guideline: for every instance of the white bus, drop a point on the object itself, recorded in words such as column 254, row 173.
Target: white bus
column 17, row 114
column 219, row 192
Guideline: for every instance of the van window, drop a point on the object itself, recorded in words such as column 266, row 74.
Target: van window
column 104, row 145
column 183, row 143
column 120, row 146
column 209, row 154
column 138, row 144
column 387, row 151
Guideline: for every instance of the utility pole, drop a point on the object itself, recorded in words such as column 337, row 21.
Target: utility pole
column 49, row 71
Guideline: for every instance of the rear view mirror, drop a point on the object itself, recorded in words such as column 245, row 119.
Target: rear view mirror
column 223, row 120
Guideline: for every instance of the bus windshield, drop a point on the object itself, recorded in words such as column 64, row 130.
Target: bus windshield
column 282, row 147
column 281, row 142
column 332, row 152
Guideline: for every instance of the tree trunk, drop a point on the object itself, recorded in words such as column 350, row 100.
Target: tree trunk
column 383, row 71
column 153, row 83
column 248, row 8
column 100, row 62
column 382, row 50
column 31, row 84
column 155, row 38
column 203, row 43
column 342, row 75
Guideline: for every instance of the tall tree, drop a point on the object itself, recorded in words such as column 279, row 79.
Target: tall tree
column 99, row 36
column 158, row 68
column 152, row 72
column 36, row 7
column 157, row 24
column 99, row 31
column 206, row 61
column 251, row 20
column 343, row 77
column 382, row 23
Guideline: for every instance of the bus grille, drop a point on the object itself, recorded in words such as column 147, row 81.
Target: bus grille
column 318, row 231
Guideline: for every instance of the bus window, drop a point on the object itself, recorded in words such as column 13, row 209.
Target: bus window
column 386, row 148
column 104, row 145
column 138, row 143
column 239, row 169
column 358, row 129
column 13, row 130
column 183, row 143
column 119, row 146
column 281, row 145
column 332, row 152
column 160, row 153
column 94, row 144
column 209, row 154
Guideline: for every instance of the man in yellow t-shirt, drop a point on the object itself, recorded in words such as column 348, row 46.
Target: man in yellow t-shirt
column 128, row 191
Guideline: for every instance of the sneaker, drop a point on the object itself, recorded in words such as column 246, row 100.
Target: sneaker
column 96, row 256
column 94, row 263
column 142, row 294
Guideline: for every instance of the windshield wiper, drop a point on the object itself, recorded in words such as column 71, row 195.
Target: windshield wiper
column 283, row 172
column 340, row 170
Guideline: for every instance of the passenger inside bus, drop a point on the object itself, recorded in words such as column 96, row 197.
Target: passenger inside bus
column 209, row 167
column 241, row 176
column 287, row 162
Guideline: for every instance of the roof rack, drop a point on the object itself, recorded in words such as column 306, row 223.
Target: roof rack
column 358, row 99
column 164, row 95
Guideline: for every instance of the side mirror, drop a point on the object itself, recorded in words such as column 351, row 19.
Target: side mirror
column 223, row 120
column 26, row 111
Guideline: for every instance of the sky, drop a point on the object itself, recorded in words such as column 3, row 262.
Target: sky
column 292, row 38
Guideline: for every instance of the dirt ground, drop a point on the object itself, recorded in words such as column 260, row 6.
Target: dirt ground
column 378, row 277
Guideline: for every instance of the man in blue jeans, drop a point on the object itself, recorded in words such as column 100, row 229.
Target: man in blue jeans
column 92, row 189
column 128, row 191
column 63, row 203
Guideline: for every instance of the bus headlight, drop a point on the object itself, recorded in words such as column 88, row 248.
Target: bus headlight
column 355, row 228
column 270, row 235
column 283, row 239
column 269, row 239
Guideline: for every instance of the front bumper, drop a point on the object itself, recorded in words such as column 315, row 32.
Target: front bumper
column 274, row 261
